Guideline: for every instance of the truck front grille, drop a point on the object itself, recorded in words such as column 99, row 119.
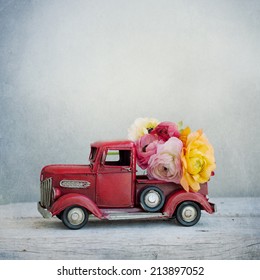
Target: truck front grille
column 46, row 192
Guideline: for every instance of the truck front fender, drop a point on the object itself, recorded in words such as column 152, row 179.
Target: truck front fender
column 180, row 196
column 75, row 199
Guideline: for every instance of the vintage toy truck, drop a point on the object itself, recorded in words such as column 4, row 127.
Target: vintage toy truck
column 109, row 188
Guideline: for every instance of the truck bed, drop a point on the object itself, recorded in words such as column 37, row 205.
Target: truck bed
column 143, row 179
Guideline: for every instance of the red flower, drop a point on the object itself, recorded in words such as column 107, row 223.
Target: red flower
column 166, row 130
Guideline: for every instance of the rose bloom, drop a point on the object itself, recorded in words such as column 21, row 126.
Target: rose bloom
column 198, row 161
column 146, row 146
column 166, row 163
column 140, row 127
column 166, row 130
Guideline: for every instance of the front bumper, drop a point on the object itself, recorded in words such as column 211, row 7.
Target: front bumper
column 43, row 211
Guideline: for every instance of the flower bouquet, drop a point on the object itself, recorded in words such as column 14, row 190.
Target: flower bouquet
column 171, row 153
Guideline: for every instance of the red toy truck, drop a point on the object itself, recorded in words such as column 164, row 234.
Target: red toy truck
column 109, row 188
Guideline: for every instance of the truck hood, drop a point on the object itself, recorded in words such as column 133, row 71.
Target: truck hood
column 66, row 169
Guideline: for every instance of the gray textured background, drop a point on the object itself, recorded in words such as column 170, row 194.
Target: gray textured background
column 72, row 72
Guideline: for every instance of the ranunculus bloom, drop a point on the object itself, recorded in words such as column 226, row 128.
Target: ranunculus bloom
column 140, row 127
column 184, row 135
column 146, row 146
column 198, row 161
column 166, row 163
column 166, row 130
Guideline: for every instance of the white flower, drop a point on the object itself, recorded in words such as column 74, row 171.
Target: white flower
column 140, row 127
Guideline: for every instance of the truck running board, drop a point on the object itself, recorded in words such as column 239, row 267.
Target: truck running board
column 135, row 216
column 130, row 215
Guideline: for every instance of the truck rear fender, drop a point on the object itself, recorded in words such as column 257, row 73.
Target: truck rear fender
column 180, row 196
column 75, row 199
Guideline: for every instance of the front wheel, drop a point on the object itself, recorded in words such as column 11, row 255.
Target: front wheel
column 75, row 217
column 188, row 213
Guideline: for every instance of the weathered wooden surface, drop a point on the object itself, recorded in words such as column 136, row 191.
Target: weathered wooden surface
column 232, row 233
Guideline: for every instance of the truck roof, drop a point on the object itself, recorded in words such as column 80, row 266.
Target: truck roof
column 115, row 143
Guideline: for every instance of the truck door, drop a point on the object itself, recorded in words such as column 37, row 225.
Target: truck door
column 115, row 179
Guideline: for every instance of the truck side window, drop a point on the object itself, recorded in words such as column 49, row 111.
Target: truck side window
column 118, row 157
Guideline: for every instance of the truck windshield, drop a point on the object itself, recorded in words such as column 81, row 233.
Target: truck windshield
column 93, row 153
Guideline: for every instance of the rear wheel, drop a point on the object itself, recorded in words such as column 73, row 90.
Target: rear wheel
column 75, row 217
column 188, row 213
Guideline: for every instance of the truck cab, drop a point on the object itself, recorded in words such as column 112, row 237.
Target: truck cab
column 114, row 164
column 108, row 188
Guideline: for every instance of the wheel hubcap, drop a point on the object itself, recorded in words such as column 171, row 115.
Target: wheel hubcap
column 76, row 216
column 189, row 213
column 152, row 199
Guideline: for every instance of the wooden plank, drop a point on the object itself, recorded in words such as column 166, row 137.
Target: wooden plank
column 232, row 233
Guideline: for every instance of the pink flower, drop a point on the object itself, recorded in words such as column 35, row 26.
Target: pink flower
column 146, row 146
column 166, row 130
column 166, row 163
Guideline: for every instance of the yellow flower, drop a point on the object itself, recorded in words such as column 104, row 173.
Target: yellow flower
column 198, row 161
column 184, row 134
column 140, row 127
